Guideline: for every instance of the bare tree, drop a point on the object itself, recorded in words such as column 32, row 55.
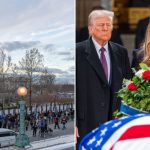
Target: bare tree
column 5, row 66
column 31, row 65
column 46, row 80
column 5, row 62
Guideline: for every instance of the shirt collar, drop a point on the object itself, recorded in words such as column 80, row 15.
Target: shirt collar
column 98, row 46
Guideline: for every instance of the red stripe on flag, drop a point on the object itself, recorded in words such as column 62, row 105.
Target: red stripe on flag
column 134, row 132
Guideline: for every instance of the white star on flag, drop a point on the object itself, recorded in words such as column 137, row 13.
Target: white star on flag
column 103, row 131
column 123, row 117
column 99, row 142
column 140, row 114
column 116, row 124
column 95, row 130
column 91, row 141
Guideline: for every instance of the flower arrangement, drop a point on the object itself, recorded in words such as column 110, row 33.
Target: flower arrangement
column 136, row 92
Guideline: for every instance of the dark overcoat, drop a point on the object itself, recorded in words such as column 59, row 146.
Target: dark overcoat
column 95, row 97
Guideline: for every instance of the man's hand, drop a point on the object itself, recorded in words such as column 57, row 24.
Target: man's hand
column 76, row 134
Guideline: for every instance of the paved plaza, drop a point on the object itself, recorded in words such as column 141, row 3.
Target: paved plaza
column 58, row 139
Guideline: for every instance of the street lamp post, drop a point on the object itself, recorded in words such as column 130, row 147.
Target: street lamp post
column 22, row 139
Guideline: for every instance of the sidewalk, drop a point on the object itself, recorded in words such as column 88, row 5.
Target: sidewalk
column 56, row 143
column 52, row 142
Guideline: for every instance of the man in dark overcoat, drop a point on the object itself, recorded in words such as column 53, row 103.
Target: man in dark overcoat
column 101, row 66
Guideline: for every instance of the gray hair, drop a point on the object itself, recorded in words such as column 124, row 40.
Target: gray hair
column 99, row 13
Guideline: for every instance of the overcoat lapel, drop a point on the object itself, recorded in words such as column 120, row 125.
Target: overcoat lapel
column 113, row 65
column 94, row 61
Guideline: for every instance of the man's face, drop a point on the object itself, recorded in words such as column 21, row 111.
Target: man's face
column 101, row 29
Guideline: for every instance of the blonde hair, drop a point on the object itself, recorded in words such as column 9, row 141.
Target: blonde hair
column 146, row 46
column 99, row 13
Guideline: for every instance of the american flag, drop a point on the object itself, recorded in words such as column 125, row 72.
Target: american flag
column 126, row 133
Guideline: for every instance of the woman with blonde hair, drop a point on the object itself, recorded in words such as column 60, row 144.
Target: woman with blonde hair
column 146, row 47
column 144, row 54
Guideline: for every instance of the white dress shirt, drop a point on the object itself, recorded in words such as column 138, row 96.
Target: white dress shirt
column 106, row 53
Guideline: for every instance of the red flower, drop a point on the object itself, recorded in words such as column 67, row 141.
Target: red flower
column 132, row 87
column 146, row 75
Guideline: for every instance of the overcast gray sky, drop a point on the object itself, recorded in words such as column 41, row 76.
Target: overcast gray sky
column 48, row 25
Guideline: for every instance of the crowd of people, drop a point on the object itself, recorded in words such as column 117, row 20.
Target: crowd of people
column 39, row 123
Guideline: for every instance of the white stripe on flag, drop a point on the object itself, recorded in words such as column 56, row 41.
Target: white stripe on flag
column 133, row 144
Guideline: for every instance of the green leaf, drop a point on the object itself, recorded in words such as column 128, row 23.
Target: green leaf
column 143, row 66
column 118, row 114
column 136, row 79
column 134, row 70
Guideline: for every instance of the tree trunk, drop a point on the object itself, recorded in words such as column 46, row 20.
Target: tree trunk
column 30, row 94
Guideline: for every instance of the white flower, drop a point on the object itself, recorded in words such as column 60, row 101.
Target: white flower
column 139, row 73
column 126, row 82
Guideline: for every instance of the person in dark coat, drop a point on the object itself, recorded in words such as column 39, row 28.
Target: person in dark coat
column 138, row 55
column 56, row 121
column 140, row 32
column 96, row 86
column 34, row 127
